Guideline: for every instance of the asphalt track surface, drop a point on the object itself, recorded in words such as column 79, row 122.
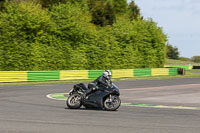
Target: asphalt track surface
column 26, row 109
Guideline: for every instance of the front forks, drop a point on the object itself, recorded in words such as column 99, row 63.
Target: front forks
column 110, row 98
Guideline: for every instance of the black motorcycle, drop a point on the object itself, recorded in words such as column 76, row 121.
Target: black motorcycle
column 105, row 98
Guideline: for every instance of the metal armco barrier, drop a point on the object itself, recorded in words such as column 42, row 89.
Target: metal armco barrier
column 18, row 76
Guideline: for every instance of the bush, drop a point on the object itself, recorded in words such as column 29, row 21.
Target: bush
column 74, row 33
column 142, row 44
column 62, row 38
column 27, row 38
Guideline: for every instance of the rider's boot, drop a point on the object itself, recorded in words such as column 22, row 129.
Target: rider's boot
column 86, row 93
column 84, row 96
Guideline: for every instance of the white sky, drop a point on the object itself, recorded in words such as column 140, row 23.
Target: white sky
column 180, row 20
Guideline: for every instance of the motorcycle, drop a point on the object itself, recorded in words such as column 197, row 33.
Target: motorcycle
column 104, row 98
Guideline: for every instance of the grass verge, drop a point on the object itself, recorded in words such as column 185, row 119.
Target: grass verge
column 180, row 63
column 187, row 75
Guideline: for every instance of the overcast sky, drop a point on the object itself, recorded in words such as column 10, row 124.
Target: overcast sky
column 180, row 20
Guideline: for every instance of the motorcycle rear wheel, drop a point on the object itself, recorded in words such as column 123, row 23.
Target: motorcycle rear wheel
column 112, row 105
column 74, row 101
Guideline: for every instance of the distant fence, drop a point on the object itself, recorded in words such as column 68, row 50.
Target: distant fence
column 186, row 67
column 189, row 67
column 16, row 76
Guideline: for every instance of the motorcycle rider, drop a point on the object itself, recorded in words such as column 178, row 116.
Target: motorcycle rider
column 102, row 81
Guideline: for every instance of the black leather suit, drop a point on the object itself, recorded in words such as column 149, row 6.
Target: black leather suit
column 100, row 82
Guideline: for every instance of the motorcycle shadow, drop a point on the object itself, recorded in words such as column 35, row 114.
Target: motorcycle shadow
column 84, row 109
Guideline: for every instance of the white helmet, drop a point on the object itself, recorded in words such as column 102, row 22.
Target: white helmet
column 107, row 74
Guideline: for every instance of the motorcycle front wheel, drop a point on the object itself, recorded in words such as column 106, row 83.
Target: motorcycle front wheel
column 112, row 104
column 74, row 101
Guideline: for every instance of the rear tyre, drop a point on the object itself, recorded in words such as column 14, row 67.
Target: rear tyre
column 112, row 105
column 74, row 101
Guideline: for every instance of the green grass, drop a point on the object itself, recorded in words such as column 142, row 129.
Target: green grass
column 188, row 74
column 179, row 62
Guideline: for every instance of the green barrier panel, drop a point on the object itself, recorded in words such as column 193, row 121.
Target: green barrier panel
column 93, row 74
column 43, row 75
column 173, row 71
column 142, row 72
column 185, row 67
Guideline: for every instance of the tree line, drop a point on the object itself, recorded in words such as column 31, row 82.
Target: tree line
column 172, row 52
column 78, row 34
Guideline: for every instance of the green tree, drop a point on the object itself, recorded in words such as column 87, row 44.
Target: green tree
column 1, row 4
column 172, row 52
column 120, row 6
column 49, row 3
column 134, row 11
column 91, row 4
column 184, row 59
column 109, row 14
column 103, row 14
column 196, row 59
column 98, row 17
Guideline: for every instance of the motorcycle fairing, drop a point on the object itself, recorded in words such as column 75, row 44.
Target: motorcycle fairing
column 96, row 99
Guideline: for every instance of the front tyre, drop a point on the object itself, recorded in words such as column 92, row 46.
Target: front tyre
column 74, row 101
column 112, row 104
